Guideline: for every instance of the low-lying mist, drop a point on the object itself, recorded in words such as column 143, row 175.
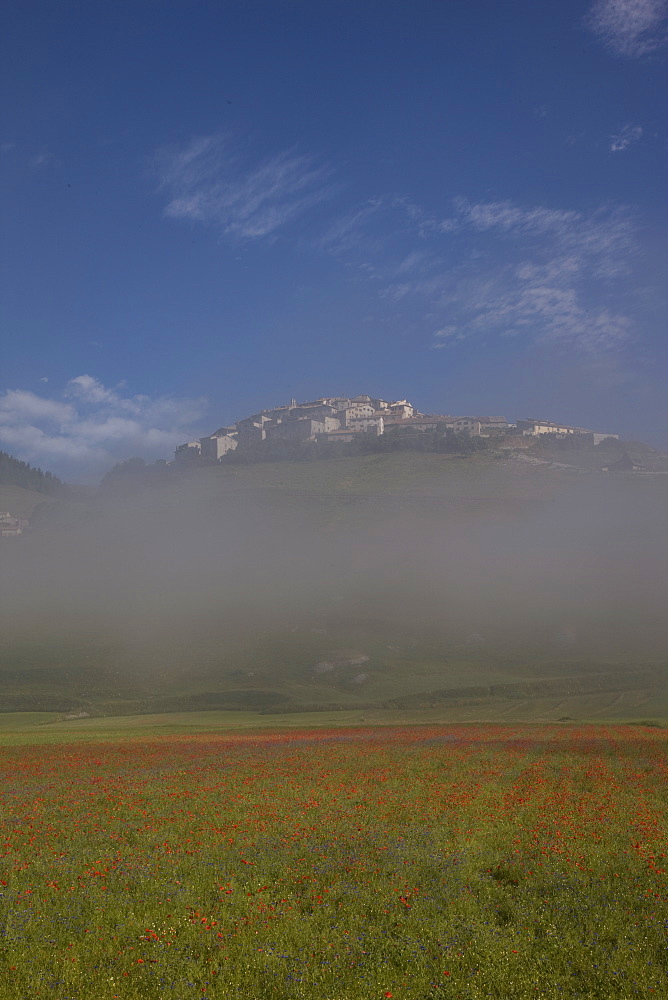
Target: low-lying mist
column 165, row 584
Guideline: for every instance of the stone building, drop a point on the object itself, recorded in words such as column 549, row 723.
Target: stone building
column 470, row 425
column 401, row 408
column 345, row 435
column 373, row 424
column 187, row 452
column 493, row 424
column 356, row 411
column 304, row 429
column 252, row 430
column 534, row 427
column 219, row 443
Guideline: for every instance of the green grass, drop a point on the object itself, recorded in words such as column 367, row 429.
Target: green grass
column 630, row 707
column 408, row 473
column 277, row 672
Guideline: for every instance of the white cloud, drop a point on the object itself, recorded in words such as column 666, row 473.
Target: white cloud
column 554, row 284
column 92, row 426
column 28, row 406
column 625, row 138
column 631, row 28
column 90, row 390
column 206, row 182
column 602, row 239
column 545, row 304
column 506, row 216
column 550, row 275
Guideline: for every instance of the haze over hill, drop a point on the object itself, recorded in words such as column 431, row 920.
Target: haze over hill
column 414, row 203
column 401, row 579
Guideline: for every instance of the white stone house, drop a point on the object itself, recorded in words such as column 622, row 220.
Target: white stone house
column 467, row 424
column 252, row 430
column 374, row 424
column 493, row 424
column 356, row 411
column 534, row 427
column 401, row 408
column 218, row 444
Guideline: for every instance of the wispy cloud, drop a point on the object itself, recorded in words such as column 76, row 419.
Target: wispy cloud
column 91, row 426
column 488, row 268
column 208, row 182
column 600, row 241
column 544, row 304
column 542, row 273
column 630, row 28
column 625, row 138
column 508, row 217
column 549, row 275
column 350, row 230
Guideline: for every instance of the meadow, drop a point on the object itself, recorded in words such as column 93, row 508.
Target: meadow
column 350, row 863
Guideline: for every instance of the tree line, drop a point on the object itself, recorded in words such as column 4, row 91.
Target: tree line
column 16, row 473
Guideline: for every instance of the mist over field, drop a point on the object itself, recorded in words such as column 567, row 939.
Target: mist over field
column 334, row 501
column 211, row 579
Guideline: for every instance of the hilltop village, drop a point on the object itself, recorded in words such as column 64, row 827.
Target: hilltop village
column 342, row 418
column 315, row 429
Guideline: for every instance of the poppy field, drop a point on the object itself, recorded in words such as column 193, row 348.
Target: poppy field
column 415, row 862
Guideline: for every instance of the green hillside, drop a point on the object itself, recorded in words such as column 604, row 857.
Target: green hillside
column 23, row 488
column 20, row 502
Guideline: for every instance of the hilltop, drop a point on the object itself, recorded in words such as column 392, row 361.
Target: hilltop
column 401, row 563
column 344, row 425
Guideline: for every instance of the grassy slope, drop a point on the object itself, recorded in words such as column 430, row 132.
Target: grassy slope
column 20, row 502
column 641, row 707
column 398, row 473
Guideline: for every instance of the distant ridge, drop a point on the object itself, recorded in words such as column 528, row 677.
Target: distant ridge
column 16, row 473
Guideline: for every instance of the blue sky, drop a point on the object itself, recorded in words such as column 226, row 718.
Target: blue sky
column 212, row 207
